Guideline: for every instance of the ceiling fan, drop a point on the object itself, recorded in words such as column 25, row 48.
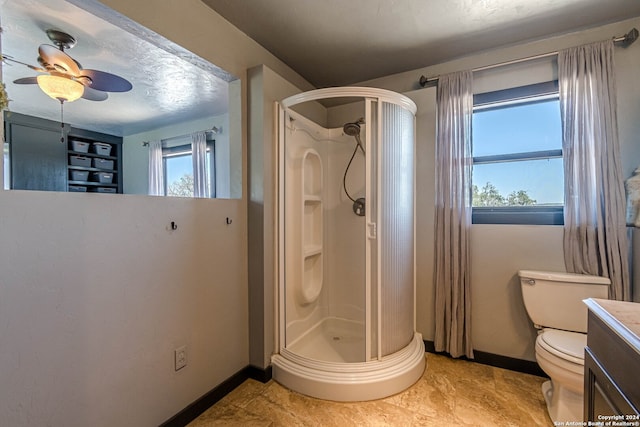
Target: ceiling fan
column 64, row 78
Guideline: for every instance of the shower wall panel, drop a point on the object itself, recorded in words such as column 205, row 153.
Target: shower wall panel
column 302, row 135
column 344, row 231
column 343, row 238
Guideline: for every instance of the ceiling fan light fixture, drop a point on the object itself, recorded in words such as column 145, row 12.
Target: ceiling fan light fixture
column 61, row 88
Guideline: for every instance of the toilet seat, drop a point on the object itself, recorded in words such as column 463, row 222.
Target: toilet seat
column 566, row 345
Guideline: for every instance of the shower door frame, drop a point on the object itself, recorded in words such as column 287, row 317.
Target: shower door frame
column 370, row 237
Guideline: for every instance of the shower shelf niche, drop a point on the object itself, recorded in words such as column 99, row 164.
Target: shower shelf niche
column 312, row 264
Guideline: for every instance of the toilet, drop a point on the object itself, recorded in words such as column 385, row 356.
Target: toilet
column 553, row 301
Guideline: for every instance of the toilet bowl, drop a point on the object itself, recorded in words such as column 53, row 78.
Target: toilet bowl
column 560, row 355
column 554, row 303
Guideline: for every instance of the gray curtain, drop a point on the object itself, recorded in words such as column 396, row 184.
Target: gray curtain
column 453, row 214
column 595, row 236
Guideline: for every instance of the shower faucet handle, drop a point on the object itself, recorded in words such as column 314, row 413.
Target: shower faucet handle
column 372, row 230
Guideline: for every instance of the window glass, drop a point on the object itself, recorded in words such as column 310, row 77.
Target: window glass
column 518, row 175
column 179, row 175
column 519, row 183
column 517, row 128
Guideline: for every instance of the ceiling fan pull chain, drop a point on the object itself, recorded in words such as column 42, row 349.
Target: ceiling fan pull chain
column 61, row 124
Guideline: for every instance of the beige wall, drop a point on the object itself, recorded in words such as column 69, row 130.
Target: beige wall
column 96, row 292
column 500, row 324
column 425, row 179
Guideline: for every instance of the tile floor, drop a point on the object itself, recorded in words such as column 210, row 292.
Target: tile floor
column 450, row 393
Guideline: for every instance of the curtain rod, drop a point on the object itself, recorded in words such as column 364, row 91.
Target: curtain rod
column 624, row 41
column 215, row 130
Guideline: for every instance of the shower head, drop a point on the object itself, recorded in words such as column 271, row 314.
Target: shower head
column 351, row 129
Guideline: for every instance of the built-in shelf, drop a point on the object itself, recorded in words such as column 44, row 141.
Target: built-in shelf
column 82, row 168
column 93, row 184
column 102, row 154
column 80, row 153
column 312, row 250
column 312, row 218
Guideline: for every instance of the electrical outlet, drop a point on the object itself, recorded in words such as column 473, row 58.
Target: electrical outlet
column 180, row 358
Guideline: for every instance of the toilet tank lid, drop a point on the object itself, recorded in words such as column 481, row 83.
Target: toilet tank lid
column 557, row 276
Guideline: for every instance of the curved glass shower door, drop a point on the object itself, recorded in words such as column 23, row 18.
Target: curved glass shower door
column 396, row 223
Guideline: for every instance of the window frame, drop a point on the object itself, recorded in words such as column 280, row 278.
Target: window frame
column 517, row 215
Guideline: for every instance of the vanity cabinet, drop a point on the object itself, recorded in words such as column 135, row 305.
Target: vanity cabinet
column 47, row 156
column 612, row 362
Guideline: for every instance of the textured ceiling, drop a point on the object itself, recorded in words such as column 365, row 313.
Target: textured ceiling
column 167, row 89
column 341, row 42
column 329, row 42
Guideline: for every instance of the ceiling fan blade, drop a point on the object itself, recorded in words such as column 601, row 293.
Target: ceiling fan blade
column 94, row 95
column 8, row 59
column 39, row 69
column 58, row 60
column 101, row 80
column 26, row 81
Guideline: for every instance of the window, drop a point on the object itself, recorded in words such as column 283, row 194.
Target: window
column 518, row 175
column 178, row 170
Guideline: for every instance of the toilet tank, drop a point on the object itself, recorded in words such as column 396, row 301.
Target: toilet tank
column 554, row 300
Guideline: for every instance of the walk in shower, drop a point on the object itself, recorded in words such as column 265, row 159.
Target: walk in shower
column 346, row 267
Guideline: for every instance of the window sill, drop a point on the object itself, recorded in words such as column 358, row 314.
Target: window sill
column 524, row 215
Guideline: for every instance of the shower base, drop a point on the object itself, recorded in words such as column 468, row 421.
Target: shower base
column 342, row 381
column 332, row 340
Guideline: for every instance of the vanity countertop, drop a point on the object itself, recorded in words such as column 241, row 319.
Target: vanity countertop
column 622, row 317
